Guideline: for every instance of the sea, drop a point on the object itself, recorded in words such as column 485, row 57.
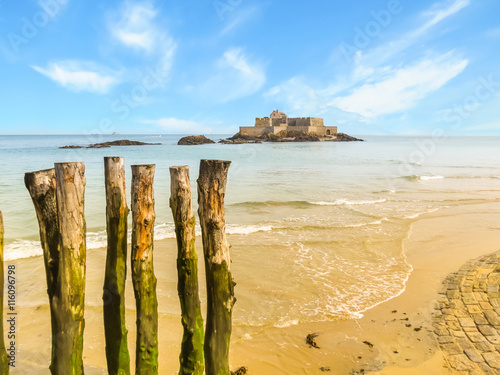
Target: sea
column 317, row 229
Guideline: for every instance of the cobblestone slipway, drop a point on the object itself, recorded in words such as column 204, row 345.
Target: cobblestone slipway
column 467, row 317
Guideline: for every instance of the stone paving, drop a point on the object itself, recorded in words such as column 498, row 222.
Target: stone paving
column 467, row 317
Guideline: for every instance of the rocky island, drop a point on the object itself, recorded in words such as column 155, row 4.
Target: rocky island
column 288, row 136
column 278, row 127
column 194, row 140
column 122, row 142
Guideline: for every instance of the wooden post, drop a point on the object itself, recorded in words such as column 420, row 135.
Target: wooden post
column 4, row 359
column 70, row 290
column 115, row 331
column 143, row 277
column 220, row 286
column 42, row 188
column 191, row 357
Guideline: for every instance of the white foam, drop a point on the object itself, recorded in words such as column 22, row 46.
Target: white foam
column 247, row 229
column 20, row 249
column 286, row 323
column 429, row 178
column 365, row 224
column 347, row 202
column 414, row 216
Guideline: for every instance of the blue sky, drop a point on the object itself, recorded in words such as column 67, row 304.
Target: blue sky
column 370, row 67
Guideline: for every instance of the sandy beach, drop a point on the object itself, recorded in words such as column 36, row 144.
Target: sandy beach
column 400, row 329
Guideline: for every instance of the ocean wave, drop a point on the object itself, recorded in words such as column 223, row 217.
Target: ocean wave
column 366, row 224
column 415, row 177
column 414, row 216
column 341, row 287
column 20, row 249
column 433, row 177
column 297, row 204
column 347, row 202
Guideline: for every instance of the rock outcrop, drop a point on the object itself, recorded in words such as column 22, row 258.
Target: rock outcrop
column 194, row 140
column 288, row 136
column 122, row 142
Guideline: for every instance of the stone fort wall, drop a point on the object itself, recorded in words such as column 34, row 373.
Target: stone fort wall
column 276, row 124
column 258, row 130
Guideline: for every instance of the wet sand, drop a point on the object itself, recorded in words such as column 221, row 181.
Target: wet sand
column 400, row 329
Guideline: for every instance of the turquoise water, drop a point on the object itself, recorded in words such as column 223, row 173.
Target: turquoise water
column 318, row 229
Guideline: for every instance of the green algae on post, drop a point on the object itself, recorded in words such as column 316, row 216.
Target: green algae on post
column 143, row 277
column 220, row 286
column 191, row 357
column 117, row 355
column 42, row 188
column 70, row 290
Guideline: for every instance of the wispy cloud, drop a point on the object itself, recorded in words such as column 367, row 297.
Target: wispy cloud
column 80, row 76
column 135, row 26
column 240, row 18
column 401, row 89
column 382, row 80
column 366, row 61
column 235, row 75
column 178, row 126
column 438, row 14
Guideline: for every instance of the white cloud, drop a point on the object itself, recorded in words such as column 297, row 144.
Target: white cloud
column 366, row 61
column 80, row 76
column 239, row 19
column 402, row 89
column 299, row 96
column 136, row 27
column 177, row 126
column 438, row 15
column 381, row 80
column 234, row 76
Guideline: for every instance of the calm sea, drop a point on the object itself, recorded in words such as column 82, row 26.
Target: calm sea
column 317, row 229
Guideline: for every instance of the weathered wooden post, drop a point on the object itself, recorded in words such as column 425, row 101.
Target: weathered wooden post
column 115, row 331
column 4, row 359
column 70, row 291
column 42, row 188
column 220, row 286
column 143, row 277
column 191, row 357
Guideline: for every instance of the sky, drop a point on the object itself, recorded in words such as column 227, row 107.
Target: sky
column 394, row 67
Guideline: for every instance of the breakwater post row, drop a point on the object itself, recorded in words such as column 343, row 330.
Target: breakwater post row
column 58, row 198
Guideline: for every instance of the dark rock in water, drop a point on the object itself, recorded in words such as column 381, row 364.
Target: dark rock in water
column 238, row 139
column 310, row 340
column 122, row 142
column 71, row 146
column 194, row 140
column 98, row 145
column 241, row 371
column 342, row 137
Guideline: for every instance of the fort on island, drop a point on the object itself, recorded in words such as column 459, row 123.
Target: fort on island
column 279, row 121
